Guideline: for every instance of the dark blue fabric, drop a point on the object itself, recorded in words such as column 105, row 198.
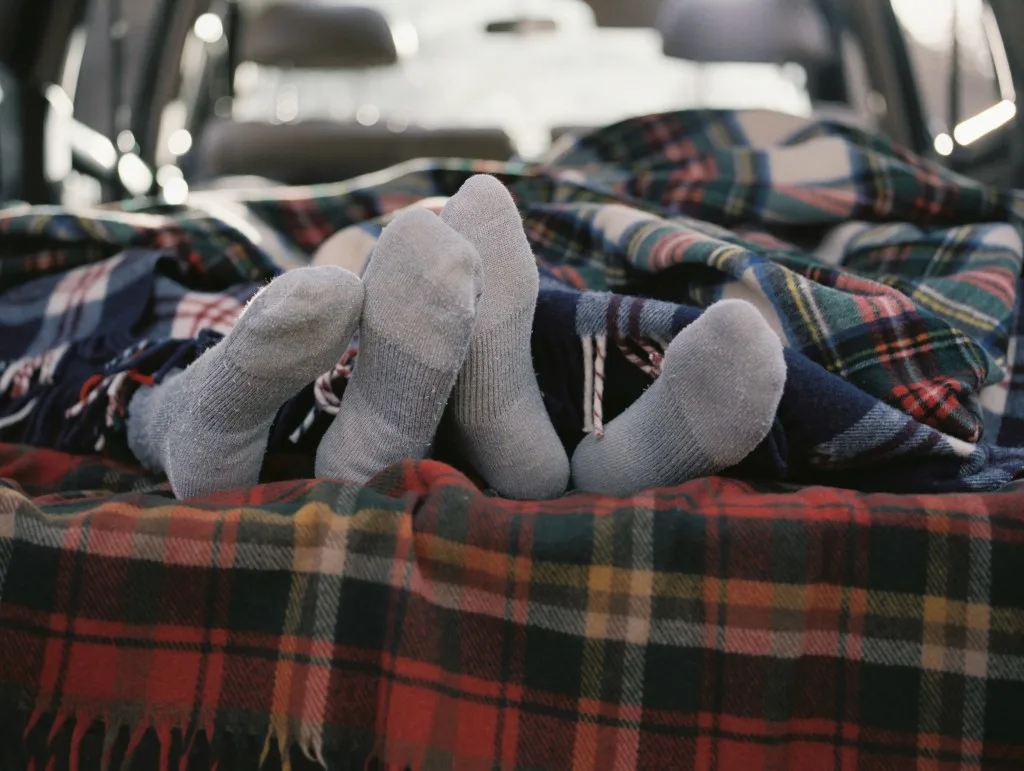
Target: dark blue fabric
column 816, row 407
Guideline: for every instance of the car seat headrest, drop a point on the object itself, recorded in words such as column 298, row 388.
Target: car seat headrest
column 311, row 34
column 749, row 31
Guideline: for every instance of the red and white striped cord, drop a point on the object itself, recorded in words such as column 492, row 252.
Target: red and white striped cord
column 595, row 351
column 595, row 354
column 324, row 398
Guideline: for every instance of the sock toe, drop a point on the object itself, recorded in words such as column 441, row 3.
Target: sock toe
column 420, row 306
column 443, row 266
column 714, row 402
column 737, row 378
column 498, row 407
column 480, row 202
column 308, row 321
column 207, row 427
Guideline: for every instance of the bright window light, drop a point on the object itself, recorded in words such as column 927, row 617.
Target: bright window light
column 985, row 122
column 165, row 175
column 944, row 144
column 126, row 141
column 407, row 41
column 134, row 174
column 176, row 192
column 209, row 28
column 368, row 114
column 180, row 142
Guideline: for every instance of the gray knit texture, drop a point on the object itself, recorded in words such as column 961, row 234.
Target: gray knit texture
column 714, row 402
column 422, row 285
column 207, row 427
column 497, row 407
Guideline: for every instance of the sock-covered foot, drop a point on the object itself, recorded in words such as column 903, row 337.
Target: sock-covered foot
column 714, row 402
column 207, row 427
column 498, row 410
column 421, row 293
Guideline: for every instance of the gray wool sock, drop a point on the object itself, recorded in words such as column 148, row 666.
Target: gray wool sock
column 714, row 402
column 422, row 285
column 207, row 427
column 498, row 410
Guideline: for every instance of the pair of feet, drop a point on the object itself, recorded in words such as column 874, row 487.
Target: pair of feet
column 444, row 313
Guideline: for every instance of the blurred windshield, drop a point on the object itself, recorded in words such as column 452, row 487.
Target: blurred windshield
column 453, row 72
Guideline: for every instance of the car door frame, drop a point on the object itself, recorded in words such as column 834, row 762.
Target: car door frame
column 34, row 36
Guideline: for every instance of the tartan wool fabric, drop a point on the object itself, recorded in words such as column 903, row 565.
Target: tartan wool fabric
column 917, row 314
column 416, row 622
column 892, row 282
column 716, row 625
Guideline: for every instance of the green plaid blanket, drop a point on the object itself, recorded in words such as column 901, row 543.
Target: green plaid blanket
column 912, row 302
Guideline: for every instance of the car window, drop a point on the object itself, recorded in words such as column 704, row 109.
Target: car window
column 456, row 74
column 985, row 94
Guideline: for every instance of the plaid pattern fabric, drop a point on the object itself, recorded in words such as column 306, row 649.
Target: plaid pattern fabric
column 72, row 341
column 1004, row 403
column 108, row 296
column 210, row 251
column 417, row 622
column 916, row 314
column 82, row 294
column 895, row 328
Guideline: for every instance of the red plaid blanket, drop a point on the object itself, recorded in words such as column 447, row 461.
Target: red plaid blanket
column 417, row 623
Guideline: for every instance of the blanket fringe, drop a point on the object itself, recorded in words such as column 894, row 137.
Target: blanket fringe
column 595, row 354
column 588, row 385
column 325, row 393
column 46, row 756
column 77, row 734
column 599, row 358
column 595, row 350
column 118, row 389
column 18, row 375
column 651, row 366
column 327, row 399
column 45, row 739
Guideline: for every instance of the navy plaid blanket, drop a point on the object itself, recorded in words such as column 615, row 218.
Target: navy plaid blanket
column 892, row 282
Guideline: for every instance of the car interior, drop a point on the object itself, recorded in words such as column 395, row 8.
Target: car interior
column 849, row 588
column 265, row 89
column 240, row 92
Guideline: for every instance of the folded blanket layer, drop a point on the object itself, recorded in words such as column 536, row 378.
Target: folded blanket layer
column 892, row 282
column 717, row 624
